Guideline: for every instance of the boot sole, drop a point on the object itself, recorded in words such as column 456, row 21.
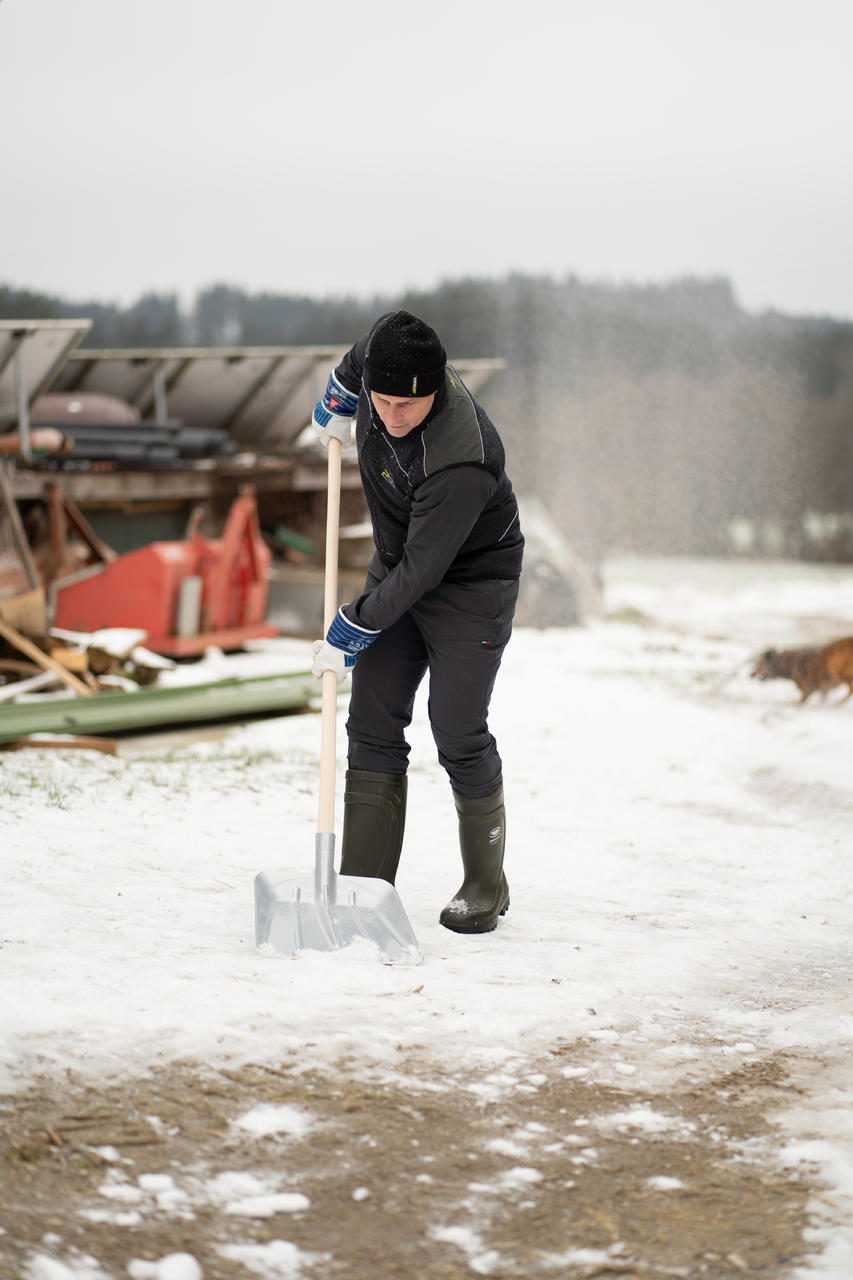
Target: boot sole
column 482, row 924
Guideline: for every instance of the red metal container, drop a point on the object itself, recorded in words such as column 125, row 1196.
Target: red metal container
column 149, row 589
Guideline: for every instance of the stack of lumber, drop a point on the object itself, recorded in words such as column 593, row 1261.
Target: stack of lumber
column 34, row 658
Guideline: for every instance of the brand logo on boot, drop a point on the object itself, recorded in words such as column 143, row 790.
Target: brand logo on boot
column 494, row 835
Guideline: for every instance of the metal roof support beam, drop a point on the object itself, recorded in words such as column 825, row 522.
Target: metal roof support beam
column 258, row 386
column 275, row 411
column 86, row 367
column 141, row 395
column 13, row 347
column 15, row 357
column 23, row 402
column 161, row 399
column 146, row 403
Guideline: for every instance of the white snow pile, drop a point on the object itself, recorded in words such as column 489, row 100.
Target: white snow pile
column 272, row 1119
column 678, row 858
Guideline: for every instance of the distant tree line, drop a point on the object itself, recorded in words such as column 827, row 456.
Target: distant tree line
column 648, row 418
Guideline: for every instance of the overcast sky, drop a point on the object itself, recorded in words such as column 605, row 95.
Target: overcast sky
column 330, row 146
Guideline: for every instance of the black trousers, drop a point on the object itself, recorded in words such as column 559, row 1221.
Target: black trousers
column 457, row 632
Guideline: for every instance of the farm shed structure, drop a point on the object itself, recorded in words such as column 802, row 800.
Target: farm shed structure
column 155, row 434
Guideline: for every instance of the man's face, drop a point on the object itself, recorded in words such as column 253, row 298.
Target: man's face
column 401, row 414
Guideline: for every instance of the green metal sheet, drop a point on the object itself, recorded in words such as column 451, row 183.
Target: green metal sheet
column 147, row 708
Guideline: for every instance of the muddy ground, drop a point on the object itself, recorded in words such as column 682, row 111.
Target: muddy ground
column 433, row 1176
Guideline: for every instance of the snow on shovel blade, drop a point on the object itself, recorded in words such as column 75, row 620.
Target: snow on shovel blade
column 328, row 912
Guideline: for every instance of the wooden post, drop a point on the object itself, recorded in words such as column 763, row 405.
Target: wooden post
column 17, row 528
column 23, row 645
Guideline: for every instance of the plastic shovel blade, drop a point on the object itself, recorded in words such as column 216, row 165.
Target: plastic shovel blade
column 329, row 912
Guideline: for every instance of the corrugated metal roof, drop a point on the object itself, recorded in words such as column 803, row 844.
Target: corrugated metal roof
column 262, row 396
column 33, row 351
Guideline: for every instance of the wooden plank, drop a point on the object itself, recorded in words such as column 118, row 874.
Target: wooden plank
column 76, row 660
column 105, row 745
column 21, row 544
column 18, row 667
column 64, row 511
column 10, row 692
column 27, row 612
column 30, row 650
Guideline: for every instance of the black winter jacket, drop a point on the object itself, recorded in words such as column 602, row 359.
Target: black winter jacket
column 441, row 504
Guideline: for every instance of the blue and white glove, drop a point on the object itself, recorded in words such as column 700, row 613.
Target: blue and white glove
column 335, row 413
column 344, row 641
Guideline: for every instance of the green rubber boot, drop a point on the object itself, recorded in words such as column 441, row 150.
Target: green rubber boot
column 484, row 894
column 374, row 820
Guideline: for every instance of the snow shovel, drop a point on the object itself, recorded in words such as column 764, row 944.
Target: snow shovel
column 329, row 911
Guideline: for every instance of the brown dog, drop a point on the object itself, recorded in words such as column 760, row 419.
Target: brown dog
column 812, row 670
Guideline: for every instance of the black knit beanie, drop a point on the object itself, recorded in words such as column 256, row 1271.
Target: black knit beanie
column 404, row 357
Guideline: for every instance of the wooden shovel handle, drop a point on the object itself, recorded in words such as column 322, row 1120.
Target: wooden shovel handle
column 326, row 818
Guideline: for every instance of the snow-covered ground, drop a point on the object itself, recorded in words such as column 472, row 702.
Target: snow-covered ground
column 678, row 853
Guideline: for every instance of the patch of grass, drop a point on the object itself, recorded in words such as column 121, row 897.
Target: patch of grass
column 25, row 1152
column 241, row 758
column 31, row 785
column 629, row 614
